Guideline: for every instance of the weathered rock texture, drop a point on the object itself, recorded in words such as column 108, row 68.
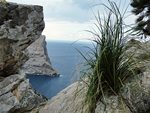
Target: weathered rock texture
column 38, row 62
column 17, row 96
column 22, row 50
column 137, row 92
column 135, row 95
column 20, row 26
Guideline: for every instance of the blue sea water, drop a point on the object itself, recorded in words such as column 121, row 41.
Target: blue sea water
column 66, row 59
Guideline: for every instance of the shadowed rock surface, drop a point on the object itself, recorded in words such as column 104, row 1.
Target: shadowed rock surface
column 22, row 50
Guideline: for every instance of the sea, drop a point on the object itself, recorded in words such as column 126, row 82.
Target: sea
column 66, row 59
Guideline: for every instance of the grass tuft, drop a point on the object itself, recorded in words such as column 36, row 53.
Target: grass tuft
column 108, row 67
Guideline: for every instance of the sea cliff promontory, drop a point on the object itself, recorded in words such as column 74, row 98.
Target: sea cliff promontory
column 22, row 51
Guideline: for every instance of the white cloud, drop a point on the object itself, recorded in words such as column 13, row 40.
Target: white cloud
column 64, row 30
column 66, row 11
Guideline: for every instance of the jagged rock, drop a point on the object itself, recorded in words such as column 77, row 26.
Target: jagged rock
column 20, row 26
column 17, row 96
column 38, row 62
column 20, row 30
column 137, row 93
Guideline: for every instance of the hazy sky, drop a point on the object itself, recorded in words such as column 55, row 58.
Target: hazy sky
column 68, row 19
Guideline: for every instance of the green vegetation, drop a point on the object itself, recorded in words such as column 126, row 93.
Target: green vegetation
column 142, row 9
column 108, row 66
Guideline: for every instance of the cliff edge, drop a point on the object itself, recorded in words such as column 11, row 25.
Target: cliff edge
column 21, row 40
column 22, row 50
column 38, row 62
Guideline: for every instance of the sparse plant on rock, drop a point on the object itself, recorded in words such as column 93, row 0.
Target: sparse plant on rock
column 108, row 67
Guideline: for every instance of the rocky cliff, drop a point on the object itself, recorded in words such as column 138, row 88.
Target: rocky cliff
column 21, row 40
column 22, row 50
column 38, row 62
column 134, row 96
column 17, row 96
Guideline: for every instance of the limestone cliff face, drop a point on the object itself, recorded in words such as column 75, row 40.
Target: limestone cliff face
column 22, row 50
column 20, row 26
column 38, row 62
column 16, row 95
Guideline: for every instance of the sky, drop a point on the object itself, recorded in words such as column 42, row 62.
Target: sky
column 69, row 19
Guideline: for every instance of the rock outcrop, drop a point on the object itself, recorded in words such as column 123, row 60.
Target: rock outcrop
column 20, row 26
column 22, row 50
column 17, row 96
column 38, row 62
column 137, row 92
column 135, row 95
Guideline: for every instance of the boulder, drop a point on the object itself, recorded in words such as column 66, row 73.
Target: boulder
column 17, row 96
